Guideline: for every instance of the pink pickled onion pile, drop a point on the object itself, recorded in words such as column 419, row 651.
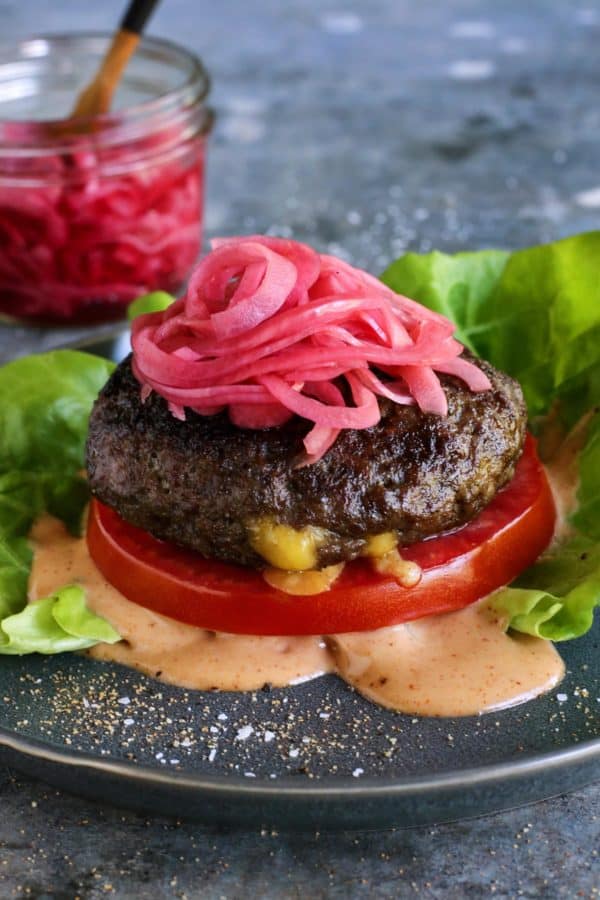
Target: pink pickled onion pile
column 269, row 328
column 83, row 244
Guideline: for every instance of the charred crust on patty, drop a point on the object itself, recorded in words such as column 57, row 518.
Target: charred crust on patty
column 202, row 482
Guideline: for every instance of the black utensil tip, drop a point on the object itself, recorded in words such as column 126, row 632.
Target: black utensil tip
column 137, row 14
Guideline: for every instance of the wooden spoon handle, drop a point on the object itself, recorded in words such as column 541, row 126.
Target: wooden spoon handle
column 118, row 55
column 96, row 98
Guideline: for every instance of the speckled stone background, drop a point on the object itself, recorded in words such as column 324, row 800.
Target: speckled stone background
column 368, row 129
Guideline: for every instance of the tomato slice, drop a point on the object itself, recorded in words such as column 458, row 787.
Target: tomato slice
column 458, row 568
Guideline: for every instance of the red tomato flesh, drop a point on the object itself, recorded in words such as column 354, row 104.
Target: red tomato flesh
column 458, row 568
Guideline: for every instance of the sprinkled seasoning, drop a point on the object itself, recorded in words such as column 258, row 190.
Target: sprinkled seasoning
column 320, row 728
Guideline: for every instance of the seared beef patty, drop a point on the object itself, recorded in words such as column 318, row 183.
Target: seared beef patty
column 202, row 483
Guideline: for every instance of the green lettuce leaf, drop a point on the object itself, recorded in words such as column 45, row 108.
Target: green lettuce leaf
column 149, row 303
column 555, row 599
column 457, row 286
column 15, row 562
column 24, row 495
column 45, row 403
column 587, row 516
column 21, row 500
column 536, row 314
column 55, row 624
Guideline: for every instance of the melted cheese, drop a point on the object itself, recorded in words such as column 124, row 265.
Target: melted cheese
column 407, row 573
column 296, row 549
column 293, row 555
column 285, row 547
column 379, row 544
column 303, row 584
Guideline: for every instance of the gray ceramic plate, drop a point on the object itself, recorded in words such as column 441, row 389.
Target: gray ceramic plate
column 314, row 755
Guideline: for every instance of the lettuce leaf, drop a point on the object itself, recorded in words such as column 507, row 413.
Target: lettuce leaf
column 536, row 314
column 556, row 598
column 45, row 403
column 457, row 286
column 24, row 495
column 15, row 561
column 149, row 303
column 55, row 624
column 587, row 516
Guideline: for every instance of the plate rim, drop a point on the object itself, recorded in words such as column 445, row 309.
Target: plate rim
column 321, row 787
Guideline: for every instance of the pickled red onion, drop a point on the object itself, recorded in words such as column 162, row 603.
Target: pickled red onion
column 86, row 242
column 269, row 329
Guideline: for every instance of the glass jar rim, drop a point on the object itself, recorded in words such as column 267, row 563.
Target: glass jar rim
column 45, row 134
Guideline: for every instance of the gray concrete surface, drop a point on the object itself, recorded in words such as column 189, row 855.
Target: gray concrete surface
column 367, row 129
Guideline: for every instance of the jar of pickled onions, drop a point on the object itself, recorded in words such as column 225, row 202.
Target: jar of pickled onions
column 95, row 212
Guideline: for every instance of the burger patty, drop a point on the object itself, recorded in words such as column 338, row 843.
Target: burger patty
column 205, row 483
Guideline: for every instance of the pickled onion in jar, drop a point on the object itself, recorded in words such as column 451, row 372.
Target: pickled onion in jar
column 95, row 212
column 88, row 245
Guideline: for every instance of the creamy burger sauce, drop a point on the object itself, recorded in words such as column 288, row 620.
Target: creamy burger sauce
column 173, row 651
column 457, row 664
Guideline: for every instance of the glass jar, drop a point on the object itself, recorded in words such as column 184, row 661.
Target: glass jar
column 95, row 212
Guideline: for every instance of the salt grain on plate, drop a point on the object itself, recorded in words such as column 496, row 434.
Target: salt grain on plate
column 244, row 733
